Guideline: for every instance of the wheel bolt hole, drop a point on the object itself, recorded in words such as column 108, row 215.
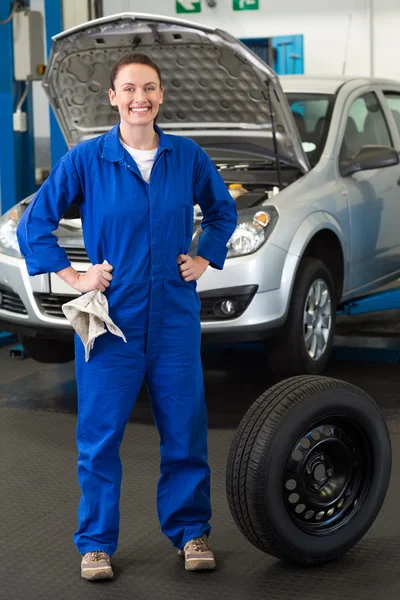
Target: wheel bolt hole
column 297, row 455
column 305, row 443
column 294, row 498
column 309, row 514
column 291, row 485
column 300, row 508
column 320, row 515
column 315, row 434
column 330, row 512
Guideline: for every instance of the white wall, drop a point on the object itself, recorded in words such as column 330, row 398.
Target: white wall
column 324, row 24
column 386, row 33
column 74, row 13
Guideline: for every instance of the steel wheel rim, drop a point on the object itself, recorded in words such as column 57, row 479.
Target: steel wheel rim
column 327, row 476
column 317, row 319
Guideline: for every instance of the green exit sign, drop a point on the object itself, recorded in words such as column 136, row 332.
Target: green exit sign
column 245, row 5
column 188, row 6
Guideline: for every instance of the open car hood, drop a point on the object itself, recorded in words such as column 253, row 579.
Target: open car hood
column 213, row 82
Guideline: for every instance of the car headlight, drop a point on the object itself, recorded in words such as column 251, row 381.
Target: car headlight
column 253, row 229
column 8, row 231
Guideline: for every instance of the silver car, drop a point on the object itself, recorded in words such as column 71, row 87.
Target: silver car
column 312, row 162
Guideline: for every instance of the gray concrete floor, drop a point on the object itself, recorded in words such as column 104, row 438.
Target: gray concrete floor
column 234, row 378
column 40, row 494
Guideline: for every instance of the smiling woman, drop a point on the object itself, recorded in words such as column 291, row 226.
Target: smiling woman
column 136, row 91
column 136, row 188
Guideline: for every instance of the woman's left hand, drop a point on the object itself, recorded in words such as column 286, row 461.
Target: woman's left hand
column 191, row 269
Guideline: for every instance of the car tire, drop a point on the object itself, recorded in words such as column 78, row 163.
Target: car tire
column 288, row 354
column 341, row 436
column 49, row 351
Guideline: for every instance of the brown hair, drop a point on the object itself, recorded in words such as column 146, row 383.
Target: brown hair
column 136, row 59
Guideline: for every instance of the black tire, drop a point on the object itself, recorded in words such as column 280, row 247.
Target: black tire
column 261, row 457
column 287, row 354
column 49, row 351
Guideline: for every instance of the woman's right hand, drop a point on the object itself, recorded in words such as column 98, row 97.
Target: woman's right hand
column 97, row 277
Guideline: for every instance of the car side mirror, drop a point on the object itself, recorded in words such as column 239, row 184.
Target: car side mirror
column 370, row 157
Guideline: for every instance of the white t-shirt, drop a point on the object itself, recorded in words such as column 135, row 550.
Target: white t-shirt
column 143, row 158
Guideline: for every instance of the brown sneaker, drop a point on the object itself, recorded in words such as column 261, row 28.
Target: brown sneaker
column 96, row 565
column 198, row 555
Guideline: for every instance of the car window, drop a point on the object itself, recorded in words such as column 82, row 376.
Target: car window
column 310, row 110
column 311, row 113
column 366, row 126
column 393, row 99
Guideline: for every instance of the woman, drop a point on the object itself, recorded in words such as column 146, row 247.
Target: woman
column 136, row 187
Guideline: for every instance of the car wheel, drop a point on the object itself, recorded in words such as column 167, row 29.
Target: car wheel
column 49, row 351
column 308, row 469
column 305, row 344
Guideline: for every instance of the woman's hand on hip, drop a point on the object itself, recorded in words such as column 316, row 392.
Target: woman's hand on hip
column 191, row 269
column 97, row 277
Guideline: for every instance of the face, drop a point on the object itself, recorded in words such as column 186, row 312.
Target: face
column 137, row 94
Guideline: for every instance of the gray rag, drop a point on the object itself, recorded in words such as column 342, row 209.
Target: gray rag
column 88, row 315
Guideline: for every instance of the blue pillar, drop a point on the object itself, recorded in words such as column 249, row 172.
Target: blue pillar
column 17, row 154
column 54, row 25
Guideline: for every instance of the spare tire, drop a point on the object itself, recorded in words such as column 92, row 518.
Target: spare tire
column 308, row 469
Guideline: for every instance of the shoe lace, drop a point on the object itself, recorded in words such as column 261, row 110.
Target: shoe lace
column 199, row 544
column 97, row 556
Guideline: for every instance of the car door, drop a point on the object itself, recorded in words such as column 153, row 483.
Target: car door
column 373, row 195
column 391, row 102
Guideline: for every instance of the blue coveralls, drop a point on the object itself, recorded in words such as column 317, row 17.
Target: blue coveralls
column 140, row 229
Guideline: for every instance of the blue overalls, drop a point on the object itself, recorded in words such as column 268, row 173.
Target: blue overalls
column 140, row 229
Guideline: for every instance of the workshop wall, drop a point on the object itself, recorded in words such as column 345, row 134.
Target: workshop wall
column 327, row 28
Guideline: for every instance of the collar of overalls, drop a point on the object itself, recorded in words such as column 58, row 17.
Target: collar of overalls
column 113, row 150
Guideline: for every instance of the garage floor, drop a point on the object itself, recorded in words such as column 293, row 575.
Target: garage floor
column 39, row 496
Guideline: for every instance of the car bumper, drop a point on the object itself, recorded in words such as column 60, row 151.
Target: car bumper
column 255, row 284
column 21, row 311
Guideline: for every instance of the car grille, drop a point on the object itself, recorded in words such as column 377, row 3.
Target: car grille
column 50, row 304
column 77, row 254
column 11, row 302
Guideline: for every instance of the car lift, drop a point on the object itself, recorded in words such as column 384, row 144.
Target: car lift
column 16, row 352
column 378, row 302
column 377, row 348
column 18, row 148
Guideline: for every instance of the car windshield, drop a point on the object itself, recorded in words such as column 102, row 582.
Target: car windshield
column 312, row 113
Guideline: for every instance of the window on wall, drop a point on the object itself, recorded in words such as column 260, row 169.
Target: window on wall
column 393, row 99
column 366, row 126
